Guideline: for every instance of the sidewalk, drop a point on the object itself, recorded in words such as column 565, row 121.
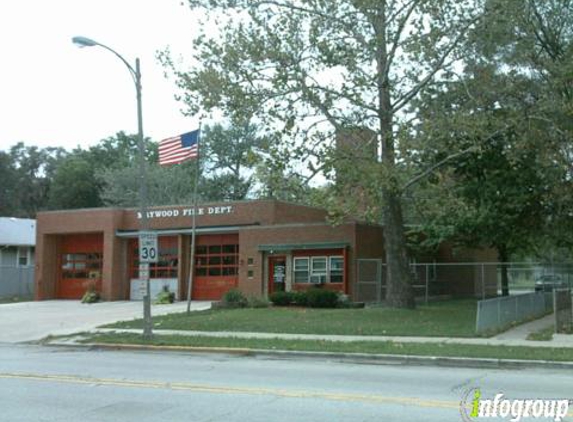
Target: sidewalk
column 514, row 337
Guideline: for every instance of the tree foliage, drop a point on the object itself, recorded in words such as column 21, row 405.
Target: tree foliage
column 27, row 172
column 74, row 185
column 229, row 155
column 312, row 68
column 504, row 130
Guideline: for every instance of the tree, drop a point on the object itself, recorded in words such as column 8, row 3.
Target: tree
column 229, row 155
column 8, row 185
column 314, row 67
column 535, row 41
column 120, row 151
column 33, row 172
column 77, row 181
column 499, row 137
column 166, row 185
column 74, row 185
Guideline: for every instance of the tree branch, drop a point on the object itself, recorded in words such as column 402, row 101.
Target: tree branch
column 398, row 34
column 451, row 157
column 327, row 16
column 406, row 98
column 436, row 166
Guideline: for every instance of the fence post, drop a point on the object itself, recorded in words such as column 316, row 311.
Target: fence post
column 516, row 309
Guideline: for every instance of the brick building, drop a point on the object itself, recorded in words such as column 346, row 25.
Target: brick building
column 257, row 246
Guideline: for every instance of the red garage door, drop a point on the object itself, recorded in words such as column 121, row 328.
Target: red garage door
column 216, row 266
column 81, row 261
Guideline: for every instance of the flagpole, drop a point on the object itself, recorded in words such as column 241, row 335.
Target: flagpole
column 194, row 224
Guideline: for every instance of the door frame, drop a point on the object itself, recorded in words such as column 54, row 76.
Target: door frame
column 272, row 260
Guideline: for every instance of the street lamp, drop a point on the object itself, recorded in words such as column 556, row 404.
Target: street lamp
column 144, row 225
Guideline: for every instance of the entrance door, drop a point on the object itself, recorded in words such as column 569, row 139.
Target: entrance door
column 277, row 274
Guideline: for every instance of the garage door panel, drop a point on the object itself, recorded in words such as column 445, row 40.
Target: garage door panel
column 80, row 265
column 211, row 288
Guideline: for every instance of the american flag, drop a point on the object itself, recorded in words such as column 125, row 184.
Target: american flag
column 180, row 148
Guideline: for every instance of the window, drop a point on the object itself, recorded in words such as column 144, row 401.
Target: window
column 301, row 270
column 81, row 265
column 167, row 261
column 318, row 269
column 22, row 257
column 336, row 265
column 217, row 260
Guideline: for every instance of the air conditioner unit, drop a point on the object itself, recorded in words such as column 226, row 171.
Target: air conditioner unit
column 318, row 279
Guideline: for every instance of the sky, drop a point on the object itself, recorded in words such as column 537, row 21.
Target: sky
column 53, row 93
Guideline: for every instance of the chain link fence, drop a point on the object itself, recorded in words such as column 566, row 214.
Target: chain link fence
column 16, row 281
column 563, row 307
column 501, row 312
column 481, row 280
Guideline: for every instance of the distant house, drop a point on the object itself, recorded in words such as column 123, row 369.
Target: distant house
column 17, row 242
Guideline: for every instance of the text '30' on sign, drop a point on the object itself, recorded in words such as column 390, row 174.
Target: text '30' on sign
column 148, row 251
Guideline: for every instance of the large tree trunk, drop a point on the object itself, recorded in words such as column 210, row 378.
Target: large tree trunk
column 399, row 292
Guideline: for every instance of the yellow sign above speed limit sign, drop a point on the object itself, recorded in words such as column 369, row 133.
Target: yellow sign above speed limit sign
column 148, row 251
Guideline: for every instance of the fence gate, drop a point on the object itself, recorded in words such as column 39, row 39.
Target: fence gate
column 370, row 280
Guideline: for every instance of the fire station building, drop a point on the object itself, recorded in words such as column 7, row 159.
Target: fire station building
column 256, row 246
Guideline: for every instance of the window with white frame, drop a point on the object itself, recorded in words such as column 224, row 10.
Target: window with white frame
column 318, row 269
column 301, row 270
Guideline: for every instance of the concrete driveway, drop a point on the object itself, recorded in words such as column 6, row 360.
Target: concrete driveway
column 29, row 321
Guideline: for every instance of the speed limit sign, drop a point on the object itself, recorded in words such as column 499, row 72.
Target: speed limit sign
column 148, row 247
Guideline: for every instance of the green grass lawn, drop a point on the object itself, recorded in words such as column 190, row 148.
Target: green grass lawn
column 374, row 347
column 454, row 318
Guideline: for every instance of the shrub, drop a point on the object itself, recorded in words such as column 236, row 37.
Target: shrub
column 234, row 298
column 165, row 296
column 281, row 298
column 300, row 298
column 258, row 302
column 91, row 295
column 321, row 298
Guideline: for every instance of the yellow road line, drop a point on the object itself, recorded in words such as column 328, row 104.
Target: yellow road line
column 204, row 388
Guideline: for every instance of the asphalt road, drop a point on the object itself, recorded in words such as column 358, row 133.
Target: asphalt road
column 61, row 384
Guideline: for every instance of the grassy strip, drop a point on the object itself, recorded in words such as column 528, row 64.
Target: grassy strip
column 385, row 347
column 454, row 318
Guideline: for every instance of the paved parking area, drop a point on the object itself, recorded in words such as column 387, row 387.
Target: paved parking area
column 28, row 321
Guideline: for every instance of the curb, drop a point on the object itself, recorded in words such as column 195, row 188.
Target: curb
column 361, row 358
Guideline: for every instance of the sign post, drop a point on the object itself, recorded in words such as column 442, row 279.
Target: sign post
column 148, row 253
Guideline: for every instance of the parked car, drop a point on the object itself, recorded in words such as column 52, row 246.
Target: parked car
column 548, row 282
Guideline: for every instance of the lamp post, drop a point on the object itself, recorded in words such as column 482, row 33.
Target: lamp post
column 144, row 225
